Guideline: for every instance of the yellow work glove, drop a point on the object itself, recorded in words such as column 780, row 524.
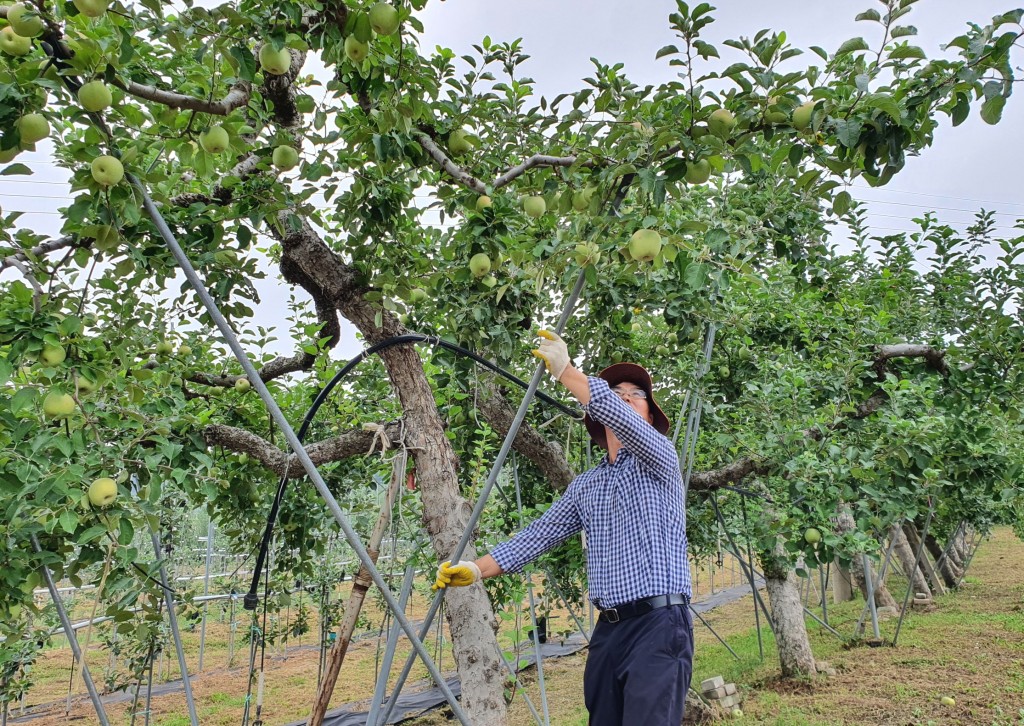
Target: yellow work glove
column 553, row 352
column 458, row 575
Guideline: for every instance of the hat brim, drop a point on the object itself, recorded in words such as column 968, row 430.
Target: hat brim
column 638, row 376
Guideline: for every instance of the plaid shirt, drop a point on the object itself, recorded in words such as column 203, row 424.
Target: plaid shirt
column 632, row 511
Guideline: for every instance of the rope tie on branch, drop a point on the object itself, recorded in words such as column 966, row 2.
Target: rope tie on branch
column 379, row 434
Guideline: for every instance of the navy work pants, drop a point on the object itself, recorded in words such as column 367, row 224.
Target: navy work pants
column 638, row 670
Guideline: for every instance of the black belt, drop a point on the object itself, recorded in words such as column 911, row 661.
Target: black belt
column 642, row 607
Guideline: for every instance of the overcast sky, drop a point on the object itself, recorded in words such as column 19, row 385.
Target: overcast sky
column 970, row 167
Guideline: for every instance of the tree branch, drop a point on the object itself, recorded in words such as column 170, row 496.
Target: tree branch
column 220, row 196
column 547, row 456
column 237, row 97
column 280, row 91
column 38, row 251
column 354, row 442
column 741, row 468
column 37, row 291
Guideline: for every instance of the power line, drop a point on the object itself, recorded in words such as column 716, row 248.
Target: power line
column 1016, row 215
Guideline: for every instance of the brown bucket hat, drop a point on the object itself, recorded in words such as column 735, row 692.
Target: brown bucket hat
column 638, row 376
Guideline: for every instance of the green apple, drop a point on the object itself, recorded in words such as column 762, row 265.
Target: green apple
column 24, row 20
column 33, row 127
column 185, row 350
column 13, row 44
column 698, row 172
column 489, row 281
column 94, row 96
column 459, row 142
column 164, row 348
column 417, row 295
column 535, row 206
column 214, row 140
column 275, row 62
column 91, row 8
column 355, row 49
column 812, row 536
column 102, row 492
column 107, row 171
column 587, row 253
column 802, row 115
column 721, row 123
column 644, row 245
column 483, row 202
column 947, row 701
column 774, row 114
column 480, row 264
column 581, row 199
column 242, row 384
column 84, row 386
column 58, row 405
column 383, row 19
column 53, row 355
column 285, row 157
column 737, row 713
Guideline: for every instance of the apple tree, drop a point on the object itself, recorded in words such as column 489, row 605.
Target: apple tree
column 240, row 119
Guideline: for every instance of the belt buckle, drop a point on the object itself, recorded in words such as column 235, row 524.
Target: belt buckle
column 611, row 615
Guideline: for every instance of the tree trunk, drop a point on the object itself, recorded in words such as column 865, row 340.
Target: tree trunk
column 795, row 654
column 883, row 598
column 905, row 554
column 842, row 582
column 950, row 577
column 307, row 261
column 914, row 540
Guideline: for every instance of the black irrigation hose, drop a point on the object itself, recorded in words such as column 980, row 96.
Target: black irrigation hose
column 251, row 599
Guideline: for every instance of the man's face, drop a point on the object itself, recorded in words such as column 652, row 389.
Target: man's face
column 636, row 397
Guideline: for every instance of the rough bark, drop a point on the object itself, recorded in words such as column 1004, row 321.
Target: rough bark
column 905, row 554
column 547, row 456
column 914, row 539
column 307, row 261
column 795, row 656
column 947, row 571
column 883, row 598
column 842, row 583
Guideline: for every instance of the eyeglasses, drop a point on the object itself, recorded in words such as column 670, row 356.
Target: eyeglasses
column 627, row 394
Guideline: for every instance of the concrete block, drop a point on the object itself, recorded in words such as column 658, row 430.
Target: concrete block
column 730, row 688
column 716, row 693
column 730, row 701
column 711, row 684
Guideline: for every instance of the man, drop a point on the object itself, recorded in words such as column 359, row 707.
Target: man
column 632, row 510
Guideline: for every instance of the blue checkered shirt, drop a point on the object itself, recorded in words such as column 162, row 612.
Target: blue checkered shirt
column 632, row 511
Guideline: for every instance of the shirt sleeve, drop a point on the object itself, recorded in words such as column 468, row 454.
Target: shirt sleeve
column 559, row 523
column 653, row 450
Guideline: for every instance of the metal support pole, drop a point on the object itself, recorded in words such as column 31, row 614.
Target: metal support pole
column 519, row 686
column 917, row 561
column 65, row 622
column 172, row 617
column 206, row 591
column 296, row 446
column 748, row 574
column 535, row 636
column 824, row 594
column 373, row 718
column 871, row 595
column 485, row 493
column 708, row 626
column 881, row 578
column 554, row 585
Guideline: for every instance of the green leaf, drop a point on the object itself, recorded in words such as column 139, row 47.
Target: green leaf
column 902, row 30
column 841, row 204
column 906, row 51
column 667, row 50
column 246, row 62
column 16, row 169
column 992, row 109
column 871, row 14
column 884, row 102
column 22, row 399
column 363, row 31
column 853, row 44
column 848, row 131
column 68, row 521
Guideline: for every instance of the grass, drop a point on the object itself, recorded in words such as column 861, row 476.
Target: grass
column 969, row 646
